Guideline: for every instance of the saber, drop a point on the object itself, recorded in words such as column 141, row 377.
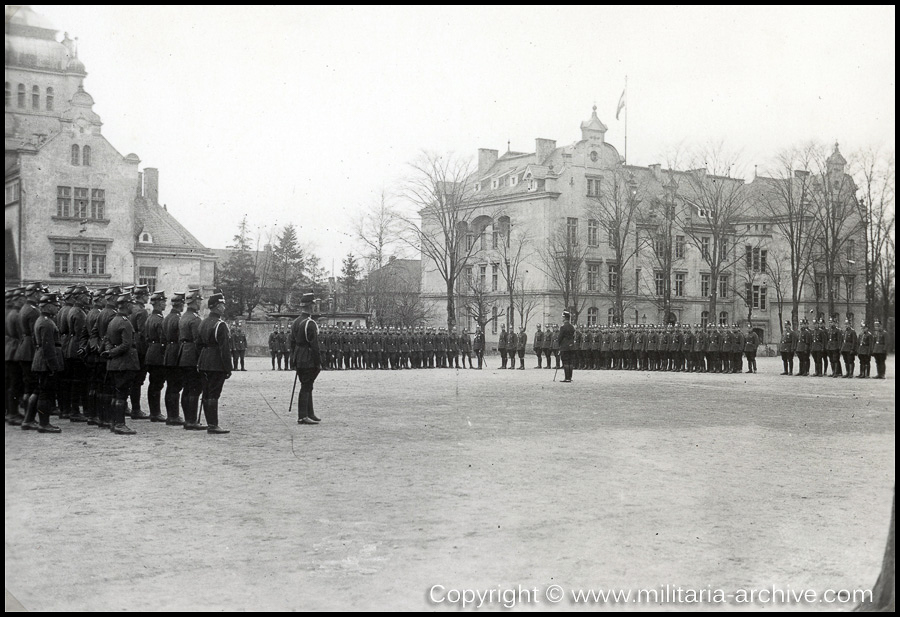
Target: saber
column 555, row 372
column 294, row 389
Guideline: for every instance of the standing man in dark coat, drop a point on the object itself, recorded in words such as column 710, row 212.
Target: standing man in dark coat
column 122, row 363
column 833, row 348
column 547, row 345
column 879, row 350
column 13, row 369
column 817, row 349
column 848, row 349
column 174, row 375
column 501, row 345
column 109, row 312
column 74, row 353
column 804, row 342
column 24, row 355
column 273, row 345
column 567, row 345
column 751, row 343
column 188, row 356
column 465, row 347
column 155, row 356
column 46, row 367
column 138, row 320
column 538, row 345
column 215, row 361
column 478, row 346
column 787, row 349
column 521, row 344
column 306, row 360
column 864, row 351
column 511, row 346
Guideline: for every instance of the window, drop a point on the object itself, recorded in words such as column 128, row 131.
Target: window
column 723, row 248
column 849, row 281
column 679, row 283
column 679, row 247
column 495, row 239
column 86, row 156
column 763, row 253
column 756, row 258
column 593, row 187
column 147, row 276
column 820, row 286
column 851, row 246
column 469, row 273
column 81, row 203
column 704, row 285
column 723, row 286
column 12, row 192
column 494, row 320
column 592, row 316
column 572, row 231
column 593, row 277
column 660, row 280
column 482, row 277
column 495, row 276
column 63, row 201
column 637, row 280
column 49, row 99
column 723, row 317
column 35, row 98
column 759, row 297
column 704, row 244
column 613, row 274
column 20, row 99
column 495, row 183
column 75, row 258
column 659, row 246
column 470, row 321
column 483, row 239
column 75, row 154
column 593, row 232
column 470, row 240
column 98, row 204
column 704, row 319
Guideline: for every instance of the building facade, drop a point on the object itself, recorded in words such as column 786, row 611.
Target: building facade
column 76, row 209
column 574, row 227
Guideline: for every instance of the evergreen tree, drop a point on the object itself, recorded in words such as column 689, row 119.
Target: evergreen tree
column 287, row 269
column 238, row 278
column 350, row 280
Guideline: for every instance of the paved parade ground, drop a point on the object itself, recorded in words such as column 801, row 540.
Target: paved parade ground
column 421, row 488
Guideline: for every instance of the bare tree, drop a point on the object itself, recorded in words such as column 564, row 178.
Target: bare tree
column 719, row 204
column 514, row 247
column 886, row 274
column 875, row 208
column 525, row 302
column 660, row 231
column 480, row 302
column 616, row 209
column 441, row 191
column 786, row 200
column 750, row 275
column 780, row 272
column 377, row 229
column 836, row 223
column 562, row 259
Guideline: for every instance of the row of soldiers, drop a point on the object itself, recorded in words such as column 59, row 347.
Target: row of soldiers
column 673, row 347
column 86, row 353
column 831, row 345
column 394, row 348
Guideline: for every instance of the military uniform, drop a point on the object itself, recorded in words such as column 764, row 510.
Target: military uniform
column 511, row 345
column 804, row 344
column 751, row 344
column 478, row 346
column 214, row 362
column 538, row 345
column 817, row 348
column 566, row 346
column 501, row 346
column 46, row 367
column 864, row 351
column 188, row 356
column 833, row 348
column 879, row 350
column 273, row 346
column 849, row 343
column 75, row 349
column 24, row 353
column 547, row 345
column 106, row 414
column 122, row 364
column 465, row 347
column 155, row 355
column 174, row 374
column 14, row 415
column 306, row 360
column 521, row 345
column 138, row 320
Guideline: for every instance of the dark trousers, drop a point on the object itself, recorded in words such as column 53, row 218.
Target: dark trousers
column 46, row 390
column 835, row 356
column 174, row 385
column 479, row 353
column 211, row 383
column 540, row 356
column 849, row 361
column 190, row 392
column 137, row 382
column 78, row 384
column 787, row 359
column 13, row 386
column 271, row 353
column 865, row 365
column 307, row 377
column 817, row 361
column 568, row 358
column 547, row 352
column 803, row 357
column 154, row 390
column 879, row 363
column 502, row 357
column 234, row 359
column 751, row 360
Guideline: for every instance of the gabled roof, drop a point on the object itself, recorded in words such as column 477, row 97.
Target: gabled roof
column 164, row 228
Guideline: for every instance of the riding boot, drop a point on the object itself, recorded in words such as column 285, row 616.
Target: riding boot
column 211, row 405
column 28, row 424
column 45, row 426
column 119, row 426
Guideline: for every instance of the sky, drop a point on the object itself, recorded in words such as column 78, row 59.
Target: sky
column 304, row 115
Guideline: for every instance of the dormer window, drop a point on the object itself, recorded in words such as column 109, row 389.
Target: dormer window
column 495, row 183
column 146, row 237
column 477, row 186
column 513, row 180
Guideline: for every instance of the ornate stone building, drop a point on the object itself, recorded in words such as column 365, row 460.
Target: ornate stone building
column 552, row 219
column 77, row 210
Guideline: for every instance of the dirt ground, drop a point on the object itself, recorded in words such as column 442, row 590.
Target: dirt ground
column 465, row 480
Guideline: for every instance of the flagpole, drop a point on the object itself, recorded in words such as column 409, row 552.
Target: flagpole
column 626, row 119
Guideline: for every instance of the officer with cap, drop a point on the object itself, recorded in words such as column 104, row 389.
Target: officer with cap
column 478, row 346
column 566, row 345
column 879, row 350
column 13, row 369
column 833, row 348
column 273, row 346
column 138, row 318
column 96, row 366
column 27, row 317
column 817, row 349
column 501, row 345
column 122, row 364
column 46, row 366
column 538, row 345
column 864, row 351
column 174, row 374
column 849, row 343
column 521, row 345
column 804, row 344
column 215, row 360
column 155, row 354
column 108, row 389
column 751, row 344
column 188, row 356
column 75, row 351
column 306, row 360
column 64, row 379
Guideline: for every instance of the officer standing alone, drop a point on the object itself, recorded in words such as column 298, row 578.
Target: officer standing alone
column 305, row 358
column 215, row 361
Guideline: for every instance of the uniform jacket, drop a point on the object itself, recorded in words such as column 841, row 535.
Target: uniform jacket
column 866, row 341
column 155, row 340
column 566, row 337
column 834, row 340
column 501, row 342
column 76, row 323
column 188, row 339
column 138, row 319
column 305, row 344
column 28, row 316
column 215, row 345
column 12, row 336
column 522, row 341
column 879, row 344
column 819, row 337
column 465, row 342
column 737, row 342
column 751, row 342
column 170, row 332
column 554, row 340
column 121, row 345
column 850, row 341
column 538, row 340
column 511, row 340
column 273, row 342
column 240, row 341
column 478, row 341
column 712, row 341
column 700, row 341
column 47, row 347
column 804, row 341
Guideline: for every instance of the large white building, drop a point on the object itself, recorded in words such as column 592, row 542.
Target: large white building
column 550, row 196
column 76, row 209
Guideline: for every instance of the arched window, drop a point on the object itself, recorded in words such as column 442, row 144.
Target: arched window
column 35, row 98
column 723, row 317
column 592, row 316
column 609, row 317
column 75, row 154
column 49, row 99
column 704, row 319
column 21, row 96
column 8, row 94
column 86, row 156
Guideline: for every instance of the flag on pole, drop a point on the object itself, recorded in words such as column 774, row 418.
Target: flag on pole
column 621, row 104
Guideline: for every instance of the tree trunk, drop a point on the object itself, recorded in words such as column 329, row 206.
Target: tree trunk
column 451, row 306
column 883, row 592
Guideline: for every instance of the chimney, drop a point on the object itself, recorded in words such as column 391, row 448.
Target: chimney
column 655, row 168
column 543, row 148
column 151, row 184
column 486, row 159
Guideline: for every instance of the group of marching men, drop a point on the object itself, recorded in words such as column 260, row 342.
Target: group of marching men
column 85, row 353
column 832, row 344
column 344, row 347
column 641, row 347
